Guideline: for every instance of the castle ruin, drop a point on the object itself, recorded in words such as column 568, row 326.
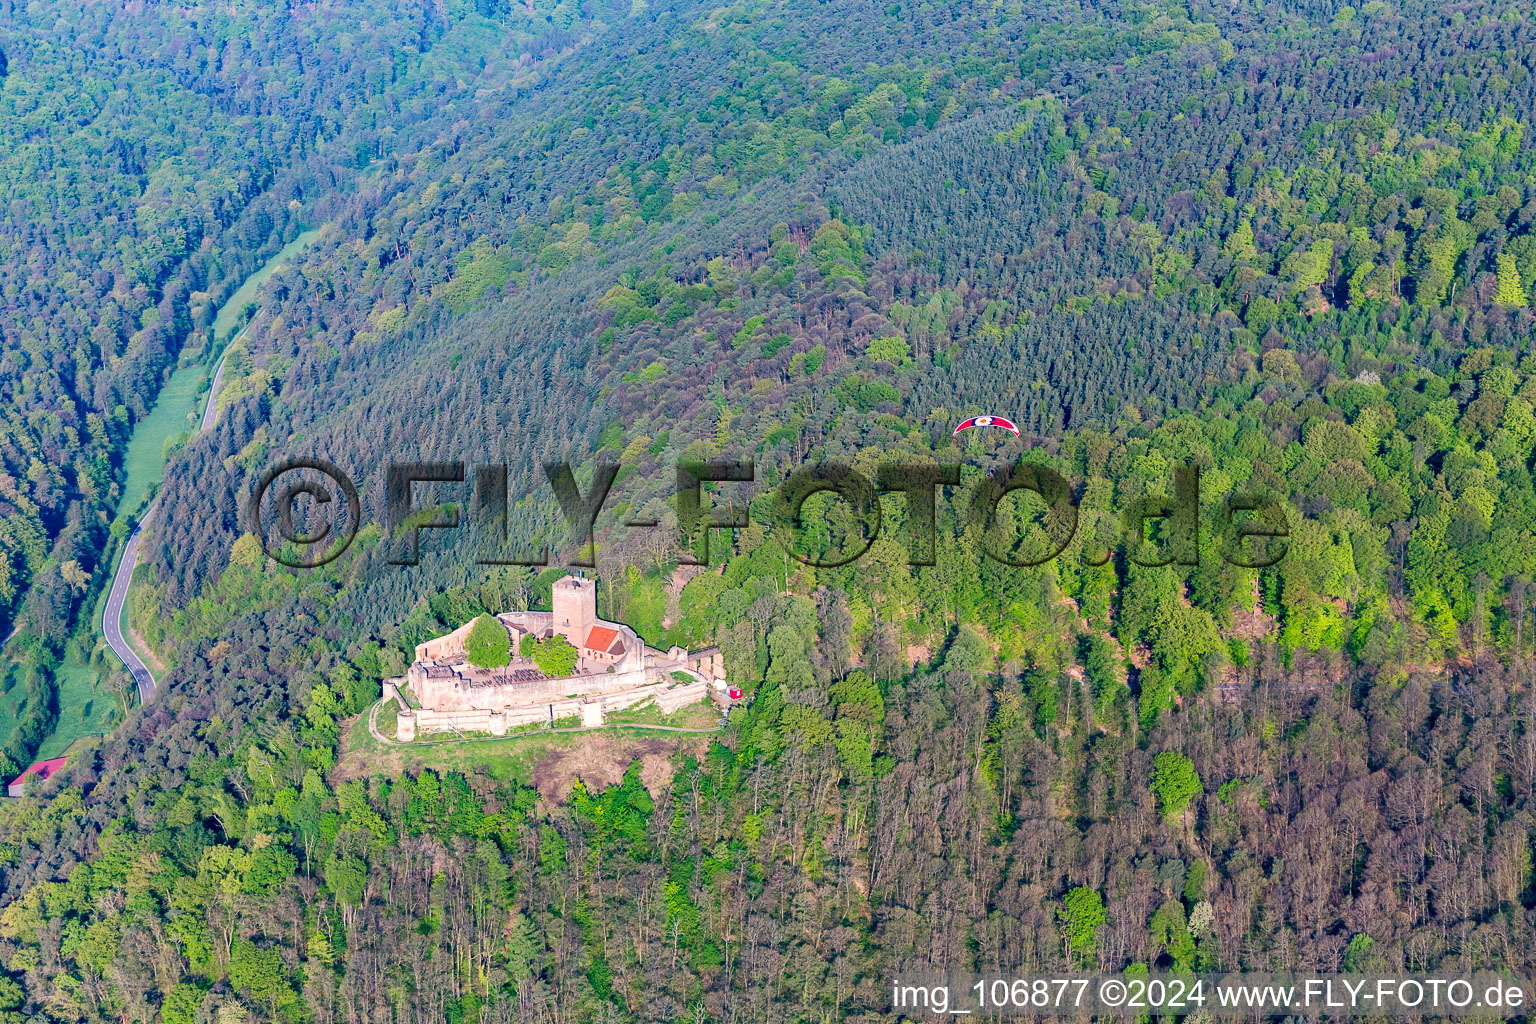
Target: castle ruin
column 614, row 670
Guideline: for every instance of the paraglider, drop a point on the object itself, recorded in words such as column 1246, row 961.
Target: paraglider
column 986, row 421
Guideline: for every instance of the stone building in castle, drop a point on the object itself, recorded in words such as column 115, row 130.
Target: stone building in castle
column 614, row 670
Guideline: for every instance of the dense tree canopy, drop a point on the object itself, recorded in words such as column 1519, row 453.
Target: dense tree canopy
column 488, row 645
column 1290, row 245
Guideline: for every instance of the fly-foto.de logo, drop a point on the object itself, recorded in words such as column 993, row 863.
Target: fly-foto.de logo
column 1246, row 529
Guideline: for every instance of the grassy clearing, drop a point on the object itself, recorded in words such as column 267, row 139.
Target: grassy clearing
column 86, row 711
column 175, row 411
column 695, row 716
column 231, row 315
column 509, row 760
column 81, row 745
column 513, row 757
column 86, row 708
column 387, row 718
column 12, row 693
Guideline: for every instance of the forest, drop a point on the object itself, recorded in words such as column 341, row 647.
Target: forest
column 152, row 161
column 1292, row 244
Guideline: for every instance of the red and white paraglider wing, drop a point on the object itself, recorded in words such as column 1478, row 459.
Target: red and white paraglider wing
column 987, row 421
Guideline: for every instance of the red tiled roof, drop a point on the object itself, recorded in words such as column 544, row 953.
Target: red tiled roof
column 604, row 639
column 41, row 769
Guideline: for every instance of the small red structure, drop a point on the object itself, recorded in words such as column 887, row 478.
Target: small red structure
column 603, row 644
column 37, row 770
column 736, row 693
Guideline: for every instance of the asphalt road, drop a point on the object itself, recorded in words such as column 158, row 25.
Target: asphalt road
column 211, row 410
column 112, row 618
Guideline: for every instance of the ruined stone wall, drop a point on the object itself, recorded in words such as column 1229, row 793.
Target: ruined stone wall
column 452, row 695
column 668, row 694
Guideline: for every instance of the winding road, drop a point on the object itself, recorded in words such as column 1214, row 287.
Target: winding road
column 112, row 618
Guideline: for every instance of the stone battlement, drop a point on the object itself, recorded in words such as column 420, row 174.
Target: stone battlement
column 614, row 670
column 669, row 696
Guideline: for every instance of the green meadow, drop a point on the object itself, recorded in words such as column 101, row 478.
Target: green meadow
column 86, row 708
column 230, row 314
column 174, row 412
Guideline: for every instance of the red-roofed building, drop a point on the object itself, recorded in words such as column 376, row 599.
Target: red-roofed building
column 603, row 644
column 38, row 770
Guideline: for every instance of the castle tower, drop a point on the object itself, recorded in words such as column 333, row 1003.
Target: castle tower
column 575, row 608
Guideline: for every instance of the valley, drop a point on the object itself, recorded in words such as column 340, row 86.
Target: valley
column 88, row 705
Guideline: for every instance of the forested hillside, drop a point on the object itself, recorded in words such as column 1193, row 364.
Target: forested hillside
column 1293, row 245
column 152, row 159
